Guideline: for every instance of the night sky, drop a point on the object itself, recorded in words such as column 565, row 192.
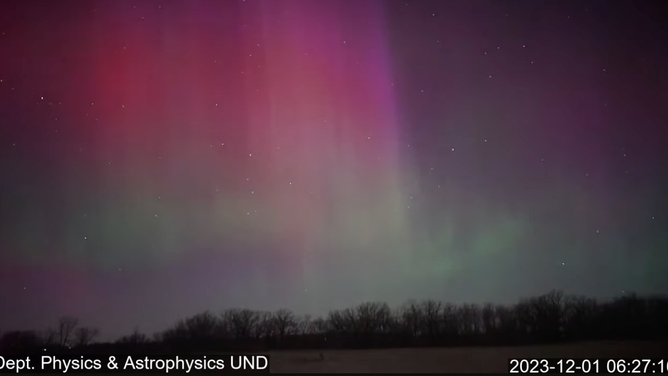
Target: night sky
column 162, row 158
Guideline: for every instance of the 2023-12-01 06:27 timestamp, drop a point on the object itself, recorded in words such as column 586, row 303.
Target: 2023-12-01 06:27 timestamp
column 588, row 365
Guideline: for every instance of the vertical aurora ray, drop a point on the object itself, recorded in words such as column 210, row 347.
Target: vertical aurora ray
column 322, row 119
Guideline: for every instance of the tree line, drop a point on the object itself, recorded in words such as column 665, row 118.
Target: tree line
column 551, row 317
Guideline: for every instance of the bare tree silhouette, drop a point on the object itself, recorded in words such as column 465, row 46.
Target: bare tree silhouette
column 84, row 336
column 133, row 340
column 284, row 323
column 66, row 326
column 550, row 317
column 50, row 337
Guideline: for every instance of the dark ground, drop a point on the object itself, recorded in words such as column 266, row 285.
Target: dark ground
column 455, row 359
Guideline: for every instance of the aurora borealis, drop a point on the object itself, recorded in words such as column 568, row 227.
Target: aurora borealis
column 160, row 158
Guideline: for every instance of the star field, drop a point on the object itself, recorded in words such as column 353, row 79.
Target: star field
column 160, row 158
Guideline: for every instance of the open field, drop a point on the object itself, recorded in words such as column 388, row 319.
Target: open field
column 456, row 359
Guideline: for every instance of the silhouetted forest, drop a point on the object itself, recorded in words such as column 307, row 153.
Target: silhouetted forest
column 551, row 317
